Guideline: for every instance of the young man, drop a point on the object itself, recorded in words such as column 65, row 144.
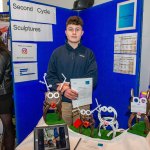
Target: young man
column 73, row 60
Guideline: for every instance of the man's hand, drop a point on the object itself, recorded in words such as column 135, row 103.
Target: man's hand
column 71, row 94
column 63, row 88
column 67, row 91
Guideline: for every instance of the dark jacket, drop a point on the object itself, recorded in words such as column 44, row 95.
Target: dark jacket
column 73, row 63
column 5, row 73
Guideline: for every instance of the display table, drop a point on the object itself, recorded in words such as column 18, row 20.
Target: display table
column 125, row 141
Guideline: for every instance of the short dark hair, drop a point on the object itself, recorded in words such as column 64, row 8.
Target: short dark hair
column 74, row 20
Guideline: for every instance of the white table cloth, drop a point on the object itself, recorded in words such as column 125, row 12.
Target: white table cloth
column 125, row 141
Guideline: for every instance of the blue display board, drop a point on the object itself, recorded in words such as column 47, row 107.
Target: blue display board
column 113, row 89
column 29, row 95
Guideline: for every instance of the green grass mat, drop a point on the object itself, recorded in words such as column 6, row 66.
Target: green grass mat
column 53, row 118
column 138, row 129
column 87, row 131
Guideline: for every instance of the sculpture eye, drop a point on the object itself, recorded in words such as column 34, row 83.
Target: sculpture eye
column 104, row 108
column 110, row 109
column 88, row 112
column 50, row 95
column 82, row 111
column 56, row 95
column 143, row 100
column 136, row 100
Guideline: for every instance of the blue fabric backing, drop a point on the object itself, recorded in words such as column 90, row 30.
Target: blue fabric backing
column 113, row 89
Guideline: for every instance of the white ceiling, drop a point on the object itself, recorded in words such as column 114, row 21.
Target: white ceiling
column 66, row 3
column 61, row 3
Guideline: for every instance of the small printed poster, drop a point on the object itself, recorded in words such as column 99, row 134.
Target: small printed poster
column 126, row 15
column 125, row 43
column 24, row 51
column 125, row 64
column 25, row 72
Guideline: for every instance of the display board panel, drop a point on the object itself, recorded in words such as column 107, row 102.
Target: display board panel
column 29, row 94
column 113, row 89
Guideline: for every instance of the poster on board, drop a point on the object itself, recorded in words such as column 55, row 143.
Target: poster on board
column 126, row 15
column 124, row 64
column 125, row 43
column 25, row 72
column 24, row 51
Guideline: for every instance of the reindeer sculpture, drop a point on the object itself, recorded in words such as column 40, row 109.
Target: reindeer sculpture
column 86, row 119
column 52, row 99
column 143, row 101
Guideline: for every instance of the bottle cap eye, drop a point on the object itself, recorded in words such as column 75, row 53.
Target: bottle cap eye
column 50, row 95
column 56, row 95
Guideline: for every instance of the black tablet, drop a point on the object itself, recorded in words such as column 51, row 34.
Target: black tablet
column 52, row 137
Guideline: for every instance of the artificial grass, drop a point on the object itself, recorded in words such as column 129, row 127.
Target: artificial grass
column 87, row 132
column 53, row 118
column 138, row 129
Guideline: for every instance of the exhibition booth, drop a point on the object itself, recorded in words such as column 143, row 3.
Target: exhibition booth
column 112, row 30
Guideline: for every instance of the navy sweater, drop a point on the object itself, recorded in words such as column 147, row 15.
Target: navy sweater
column 73, row 63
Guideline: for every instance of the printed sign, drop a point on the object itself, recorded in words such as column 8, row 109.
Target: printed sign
column 25, row 72
column 25, row 31
column 24, row 51
column 32, row 12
